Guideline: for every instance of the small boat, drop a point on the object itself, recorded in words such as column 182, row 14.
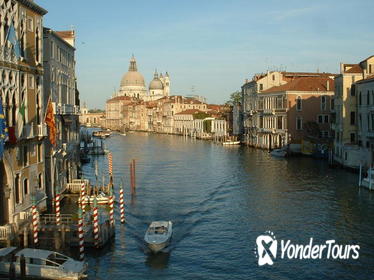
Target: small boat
column 366, row 182
column 41, row 264
column 230, row 142
column 158, row 235
column 279, row 153
column 101, row 198
column 123, row 134
column 101, row 134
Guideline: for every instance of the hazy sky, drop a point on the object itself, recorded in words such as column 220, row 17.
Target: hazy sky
column 211, row 45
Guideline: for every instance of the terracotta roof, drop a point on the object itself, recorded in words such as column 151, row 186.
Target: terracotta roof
column 189, row 112
column 353, row 68
column 307, row 74
column 118, row 98
column 305, row 84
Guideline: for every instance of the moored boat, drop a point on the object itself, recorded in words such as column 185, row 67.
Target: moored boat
column 41, row 264
column 158, row 235
column 230, row 142
column 279, row 153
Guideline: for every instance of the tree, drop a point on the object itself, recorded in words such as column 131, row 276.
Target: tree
column 235, row 98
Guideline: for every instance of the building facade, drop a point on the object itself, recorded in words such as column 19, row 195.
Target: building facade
column 60, row 88
column 22, row 168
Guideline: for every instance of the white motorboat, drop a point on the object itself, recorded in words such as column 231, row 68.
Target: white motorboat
column 101, row 198
column 278, row 153
column 158, row 235
column 367, row 182
column 42, row 264
column 231, row 142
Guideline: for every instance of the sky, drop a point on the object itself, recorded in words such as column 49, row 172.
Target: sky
column 208, row 47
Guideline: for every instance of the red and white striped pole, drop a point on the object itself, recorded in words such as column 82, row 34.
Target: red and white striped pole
column 96, row 223
column 110, row 164
column 35, row 225
column 111, row 209
column 58, row 211
column 83, row 198
column 122, row 205
column 80, row 234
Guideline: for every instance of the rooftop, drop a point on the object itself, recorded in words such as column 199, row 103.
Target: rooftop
column 305, row 84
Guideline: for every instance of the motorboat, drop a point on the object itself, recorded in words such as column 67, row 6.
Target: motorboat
column 101, row 198
column 279, row 153
column 41, row 264
column 230, row 142
column 158, row 235
column 368, row 182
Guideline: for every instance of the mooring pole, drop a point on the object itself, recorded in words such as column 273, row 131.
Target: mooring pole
column 35, row 222
column 96, row 223
column 122, row 205
column 134, row 174
column 80, row 234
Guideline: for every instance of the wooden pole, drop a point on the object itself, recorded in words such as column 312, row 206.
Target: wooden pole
column 131, row 179
column 134, row 176
column 80, row 234
column 122, row 205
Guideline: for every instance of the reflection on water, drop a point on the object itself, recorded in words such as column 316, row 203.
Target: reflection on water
column 219, row 200
column 158, row 261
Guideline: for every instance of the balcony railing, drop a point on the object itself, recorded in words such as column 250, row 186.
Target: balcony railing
column 30, row 131
column 7, row 55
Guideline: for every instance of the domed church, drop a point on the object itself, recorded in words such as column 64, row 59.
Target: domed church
column 133, row 85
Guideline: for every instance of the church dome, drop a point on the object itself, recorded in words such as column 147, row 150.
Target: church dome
column 132, row 77
column 156, row 83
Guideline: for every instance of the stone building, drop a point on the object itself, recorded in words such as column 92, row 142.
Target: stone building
column 22, row 168
column 62, row 160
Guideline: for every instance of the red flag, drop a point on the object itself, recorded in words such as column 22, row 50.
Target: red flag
column 50, row 121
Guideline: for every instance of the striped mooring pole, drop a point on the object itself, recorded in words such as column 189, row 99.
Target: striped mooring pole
column 111, row 209
column 80, row 234
column 96, row 223
column 35, row 222
column 110, row 163
column 58, row 211
column 122, row 205
column 83, row 199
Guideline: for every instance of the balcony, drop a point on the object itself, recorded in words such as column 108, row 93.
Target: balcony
column 30, row 131
column 65, row 109
column 7, row 55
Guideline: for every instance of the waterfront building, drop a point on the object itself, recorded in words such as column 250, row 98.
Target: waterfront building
column 22, row 167
column 60, row 88
column 289, row 113
column 365, row 109
column 345, row 117
column 114, row 111
column 91, row 118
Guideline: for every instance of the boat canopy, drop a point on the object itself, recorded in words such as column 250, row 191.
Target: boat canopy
column 6, row 251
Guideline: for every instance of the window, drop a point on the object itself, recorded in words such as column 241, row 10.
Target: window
column 353, row 137
column 25, row 186
column 369, row 68
column 279, row 122
column 16, row 188
column 348, row 91
column 39, row 152
column 367, row 144
column 372, row 122
column 353, row 118
column 326, row 118
column 299, row 123
column 273, row 76
column 25, row 155
column 332, row 104
column 40, row 181
column 323, row 102
column 353, row 90
column 320, row 118
column 359, row 98
column 298, row 104
column 261, row 86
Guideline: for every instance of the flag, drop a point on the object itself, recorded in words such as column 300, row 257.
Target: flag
column 3, row 130
column 12, row 38
column 50, row 121
column 20, row 118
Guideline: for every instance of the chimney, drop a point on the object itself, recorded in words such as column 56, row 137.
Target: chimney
column 327, row 85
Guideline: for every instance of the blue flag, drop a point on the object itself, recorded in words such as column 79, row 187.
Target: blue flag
column 12, row 38
column 3, row 130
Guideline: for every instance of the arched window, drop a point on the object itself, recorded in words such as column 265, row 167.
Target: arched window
column 298, row 103
column 40, row 181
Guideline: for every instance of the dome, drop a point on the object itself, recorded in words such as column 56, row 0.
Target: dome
column 156, row 83
column 132, row 77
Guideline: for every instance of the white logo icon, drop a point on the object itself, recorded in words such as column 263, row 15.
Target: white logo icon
column 266, row 248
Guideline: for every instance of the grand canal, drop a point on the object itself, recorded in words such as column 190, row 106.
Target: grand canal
column 220, row 199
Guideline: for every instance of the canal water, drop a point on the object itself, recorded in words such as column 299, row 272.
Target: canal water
column 220, row 199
